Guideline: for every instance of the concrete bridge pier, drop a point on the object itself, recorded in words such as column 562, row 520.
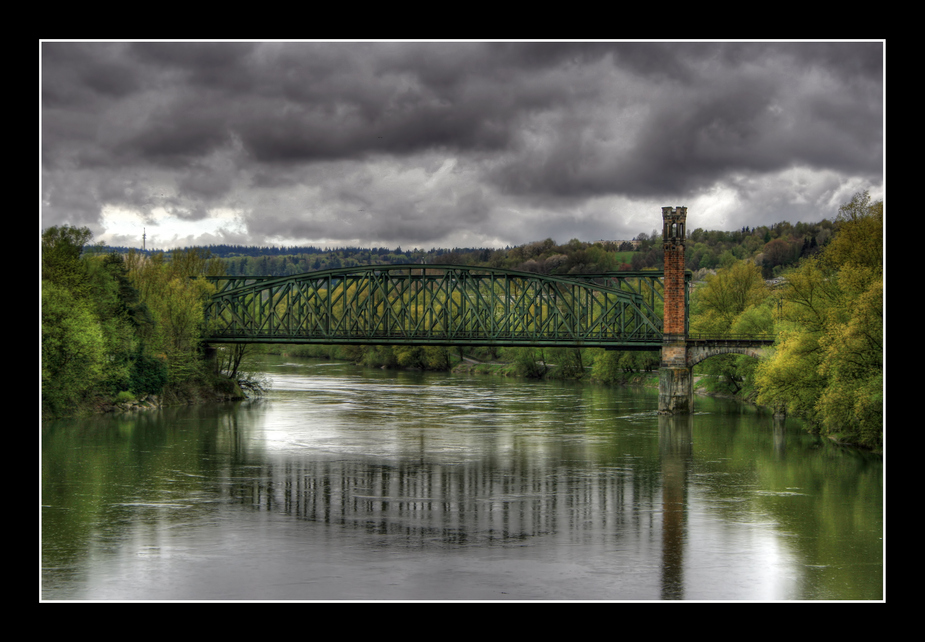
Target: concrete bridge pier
column 675, row 381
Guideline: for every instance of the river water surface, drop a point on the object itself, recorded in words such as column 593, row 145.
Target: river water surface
column 346, row 483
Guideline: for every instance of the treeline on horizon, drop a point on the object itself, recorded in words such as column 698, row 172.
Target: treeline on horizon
column 774, row 248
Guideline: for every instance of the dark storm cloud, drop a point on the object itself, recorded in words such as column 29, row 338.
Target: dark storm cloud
column 75, row 74
column 341, row 101
column 425, row 140
column 205, row 62
column 735, row 110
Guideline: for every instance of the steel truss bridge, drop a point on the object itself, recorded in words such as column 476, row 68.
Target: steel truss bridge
column 441, row 305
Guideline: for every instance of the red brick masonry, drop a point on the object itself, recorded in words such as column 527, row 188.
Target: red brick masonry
column 673, row 237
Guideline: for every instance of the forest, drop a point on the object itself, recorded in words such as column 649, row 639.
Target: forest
column 119, row 327
column 826, row 311
column 121, row 323
column 775, row 248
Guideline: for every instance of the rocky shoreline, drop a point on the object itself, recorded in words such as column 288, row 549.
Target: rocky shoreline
column 227, row 391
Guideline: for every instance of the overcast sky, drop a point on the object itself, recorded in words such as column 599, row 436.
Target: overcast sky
column 451, row 144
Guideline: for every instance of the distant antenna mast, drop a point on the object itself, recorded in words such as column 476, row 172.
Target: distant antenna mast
column 144, row 235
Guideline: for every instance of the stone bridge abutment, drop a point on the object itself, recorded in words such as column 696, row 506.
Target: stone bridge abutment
column 697, row 352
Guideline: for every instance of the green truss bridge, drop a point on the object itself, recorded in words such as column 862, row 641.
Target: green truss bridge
column 463, row 305
column 442, row 305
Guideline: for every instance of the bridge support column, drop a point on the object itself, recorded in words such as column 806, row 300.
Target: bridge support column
column 675, row 381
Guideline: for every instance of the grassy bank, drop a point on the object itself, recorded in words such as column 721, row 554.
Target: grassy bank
column 589, row 364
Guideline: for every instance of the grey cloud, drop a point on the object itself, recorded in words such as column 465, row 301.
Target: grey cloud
column 211, row 64
column 731, row 120
column 293, row 133
column 205, row 183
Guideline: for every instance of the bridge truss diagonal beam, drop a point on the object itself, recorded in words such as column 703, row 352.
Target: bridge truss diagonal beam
column 438, row 305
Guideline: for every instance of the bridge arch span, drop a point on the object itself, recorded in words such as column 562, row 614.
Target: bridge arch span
column 698, row 353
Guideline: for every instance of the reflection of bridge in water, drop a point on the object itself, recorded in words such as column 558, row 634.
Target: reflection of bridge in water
column 463, row 305
column 635, row 506
column 640, row 507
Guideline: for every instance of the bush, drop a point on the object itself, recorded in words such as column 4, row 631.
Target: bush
column 606, row 368
column 528, row 362
column 148, row 375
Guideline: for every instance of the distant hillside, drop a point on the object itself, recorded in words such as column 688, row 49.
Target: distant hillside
column 774, row 248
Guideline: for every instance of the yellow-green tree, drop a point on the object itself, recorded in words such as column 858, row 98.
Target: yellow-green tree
column 73, row 349
column 91, row 319
column 62, row 247
column 733, row 301
column 175, row 297
column 726, row 296
column 86, row 310
column 828, row 362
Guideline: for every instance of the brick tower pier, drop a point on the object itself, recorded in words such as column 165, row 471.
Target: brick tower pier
column 675, row 384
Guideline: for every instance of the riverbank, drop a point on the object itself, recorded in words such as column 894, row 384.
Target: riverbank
column 215, row 389
column 497, row 368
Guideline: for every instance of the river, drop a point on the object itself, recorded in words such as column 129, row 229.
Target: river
column 346, row 483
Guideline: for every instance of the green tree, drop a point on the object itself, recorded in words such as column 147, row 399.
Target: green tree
column 120, row 314
column 828, row 363
column 79, row 339
column 733, row 301
column 569, row 362
column 528, row 361
column 777, row 253
column 436, row 358
column 858, row 240
column 175, row 295
column 62, row 247
column 148, row 374
column 73, row 349
column 725, row 296
column 606, row 367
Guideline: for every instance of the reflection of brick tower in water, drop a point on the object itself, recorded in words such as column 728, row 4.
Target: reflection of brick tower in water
column 674, row 221
column 675, row 391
